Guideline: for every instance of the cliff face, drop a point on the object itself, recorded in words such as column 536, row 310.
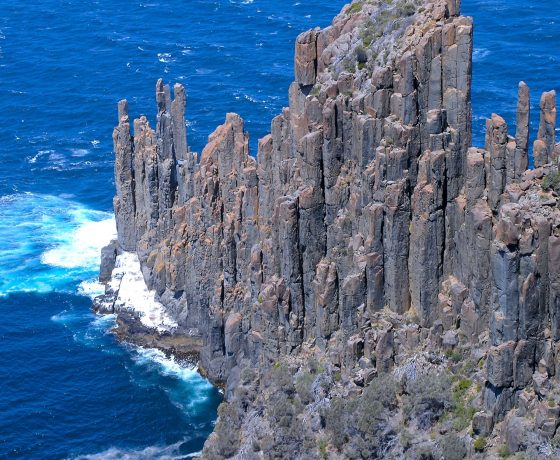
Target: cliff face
column 367, row 230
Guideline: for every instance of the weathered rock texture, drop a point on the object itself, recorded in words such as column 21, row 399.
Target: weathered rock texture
column 365, row 201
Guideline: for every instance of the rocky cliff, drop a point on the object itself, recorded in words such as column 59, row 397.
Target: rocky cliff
column 369, row 275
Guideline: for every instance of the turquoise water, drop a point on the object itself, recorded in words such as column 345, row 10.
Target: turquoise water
column 67, row 388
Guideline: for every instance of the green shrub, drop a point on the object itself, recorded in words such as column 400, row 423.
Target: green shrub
column 282, row 411
column 463, row 412
column 322, row 446
column 248, row 375
column 304, row 382
column 348, row 64
column 338, row 418
column 454, row 356
column 281, row 378
column 453, row 447
column 551, row 182
column 555, row 441
column 503, row 452
column 361, row 55
column 424, row 453
column 429, row 396
column 360, row 425
column 463, row 415
column 355, row 8
column 405, row 438
column 407, row 9
column 315, row 90
column 480, row 444
column 461, row 388
column 227, row 430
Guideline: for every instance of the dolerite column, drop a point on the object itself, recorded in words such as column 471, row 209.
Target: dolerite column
column 145, row 176
column 533, row 231
column 453, row 7
column 496, row 145
column 428, row 73
column 373, row 245
column 554, row 279
column 543, row 148
column 124, row 202
column 396, row 245
column 186, row 160
column 475, row 247
column 427, row 236
column 505, row 270
column 326, row 288
column 246, row 225
column 306, row 58
column 178, row 122
column 266, row 195
column 457, row 46
column 332, row 159
column 312, row 232
column 165, row 152
column 521, row 162
column 286, row 222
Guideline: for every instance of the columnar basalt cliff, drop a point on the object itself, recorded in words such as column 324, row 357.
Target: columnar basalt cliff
column 367, row 235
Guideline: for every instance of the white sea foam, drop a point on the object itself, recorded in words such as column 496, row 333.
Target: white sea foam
column 81, row 248
column 170, row 452
column 50, row 242
column 91, row 289
column 479, row 54
column 167, row 366
column 133, row 294
column 60, row 317
column 79, row 153
column 165, row 57
column 191, row 381
column 39, row 154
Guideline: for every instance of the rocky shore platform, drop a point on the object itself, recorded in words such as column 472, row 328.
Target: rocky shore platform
column 130, row 326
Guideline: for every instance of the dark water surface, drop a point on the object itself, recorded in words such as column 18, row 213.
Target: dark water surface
column 67, row 389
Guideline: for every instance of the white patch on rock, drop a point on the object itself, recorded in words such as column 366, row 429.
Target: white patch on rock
column 133, row 294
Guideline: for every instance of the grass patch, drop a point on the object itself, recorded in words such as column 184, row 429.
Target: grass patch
column 355, row 8
column 480, row 444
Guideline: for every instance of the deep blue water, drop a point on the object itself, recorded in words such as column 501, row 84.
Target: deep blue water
column 67, row 389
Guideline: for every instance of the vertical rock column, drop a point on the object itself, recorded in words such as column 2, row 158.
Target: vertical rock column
column 457, row 46
column 312, row 232
column 306, row 58
column 145, row 176
column 373, row 245
column 427, row 236
column 496, row 145
column 165, row 151
column 554, row 280
column 124, row 201
column 543, row 148
column 521, row 162
column 396, row 246
column 475, row 247
column 288, row 248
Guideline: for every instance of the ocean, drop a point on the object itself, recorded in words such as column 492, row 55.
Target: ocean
column 68, row 389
